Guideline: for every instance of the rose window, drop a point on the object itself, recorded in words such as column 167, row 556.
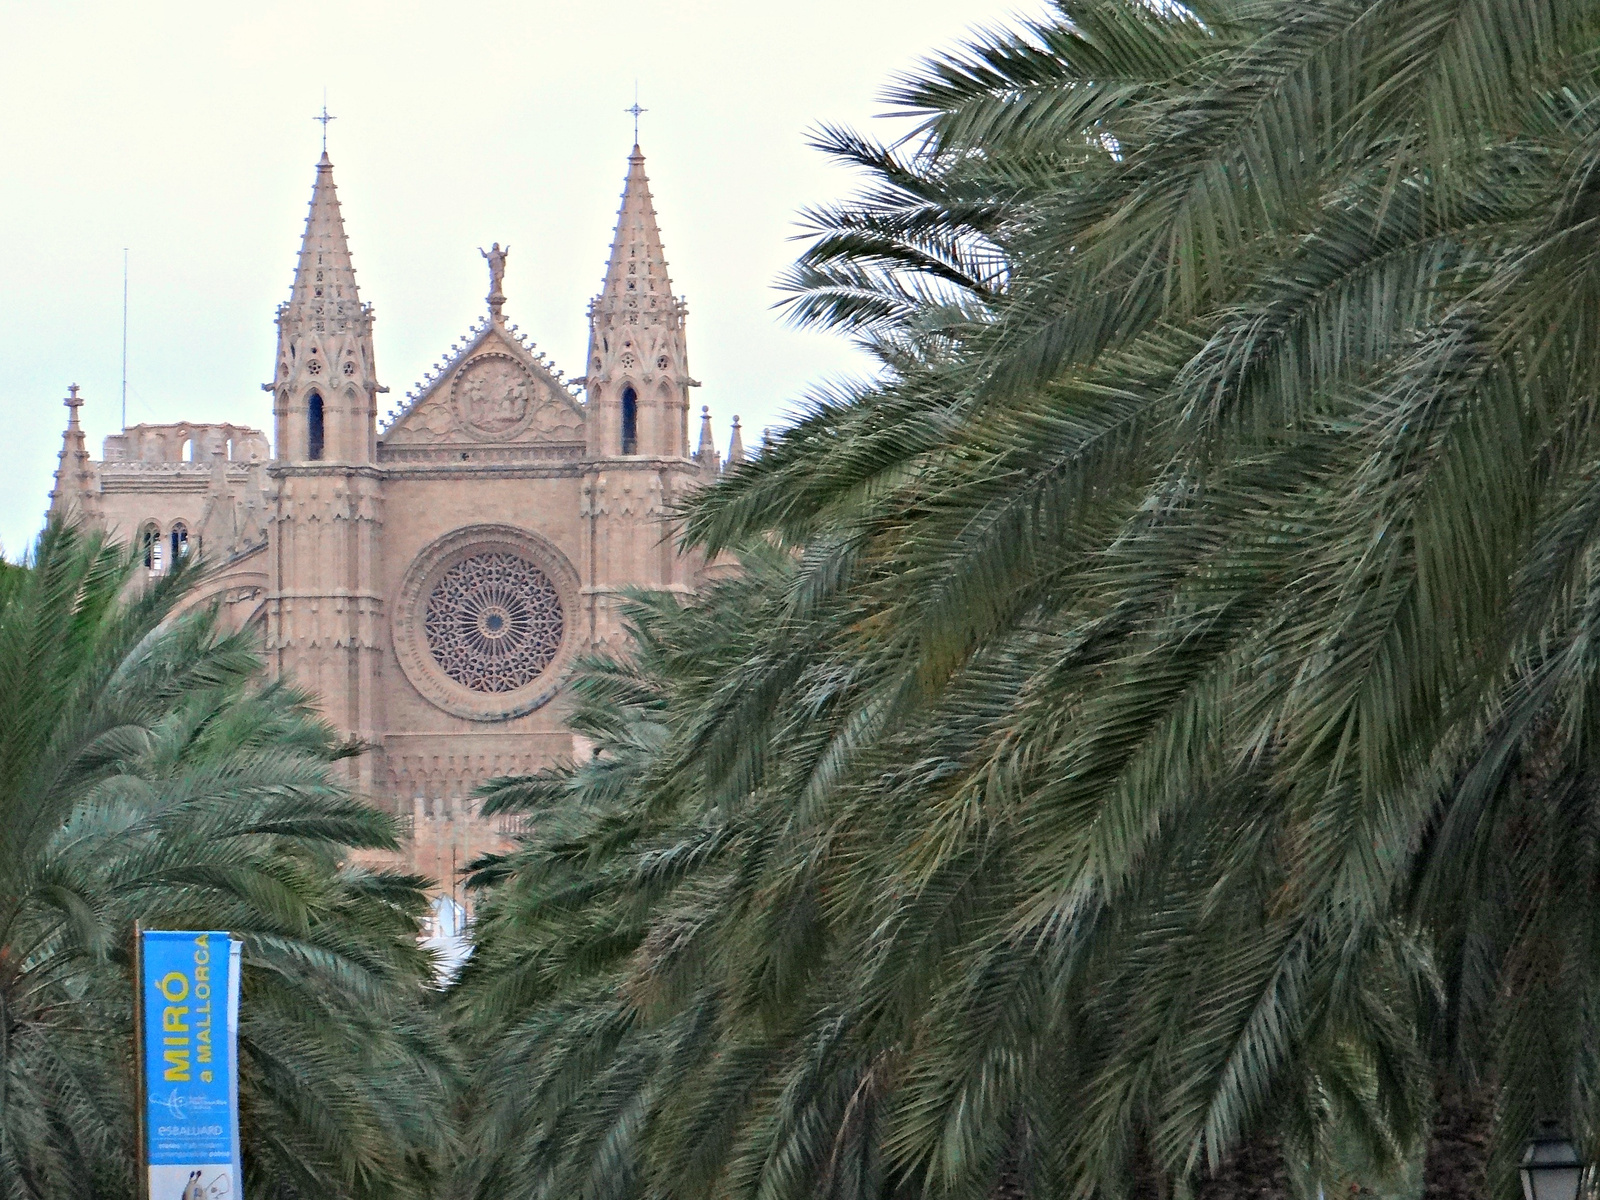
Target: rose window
column 494, row 622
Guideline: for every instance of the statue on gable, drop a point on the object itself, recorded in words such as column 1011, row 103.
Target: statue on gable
column 496, row 258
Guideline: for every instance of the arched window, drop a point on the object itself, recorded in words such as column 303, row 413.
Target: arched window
column 188, row 450
column 180, row 541
column 150, row 543
column 314, row 427
column 630, row 421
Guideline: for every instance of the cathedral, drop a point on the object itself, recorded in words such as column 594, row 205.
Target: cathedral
column 430, row 575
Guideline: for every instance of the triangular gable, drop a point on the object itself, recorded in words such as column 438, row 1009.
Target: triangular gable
column 491, row 390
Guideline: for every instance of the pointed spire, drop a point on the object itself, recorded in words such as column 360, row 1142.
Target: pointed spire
column 325, row 377
column 636, row 336
column 324, row 294
column 638, row 265
column 219, row 518
column 74, row 487
column 736, row 446
column 706, row 448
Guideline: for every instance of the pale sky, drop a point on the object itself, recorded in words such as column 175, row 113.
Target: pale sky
column 184, row 132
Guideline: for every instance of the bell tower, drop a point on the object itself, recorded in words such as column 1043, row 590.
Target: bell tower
column 637, row 426
column 325, row 393
column 638, row 369
column 324, row 609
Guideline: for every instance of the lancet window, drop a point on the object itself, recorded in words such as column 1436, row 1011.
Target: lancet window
column 630, row 421
column 150, row 543
column 314, row 427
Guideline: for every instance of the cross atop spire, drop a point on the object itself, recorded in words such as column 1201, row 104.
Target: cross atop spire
column 636, row 111
column 325, row 118
column 73, row 402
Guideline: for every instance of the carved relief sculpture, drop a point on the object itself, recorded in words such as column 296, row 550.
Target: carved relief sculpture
column 493, row 396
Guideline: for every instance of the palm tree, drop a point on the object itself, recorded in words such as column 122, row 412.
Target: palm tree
column 1276, row 418
column 148, row 772
column 1159, row 743
column 572, row 1007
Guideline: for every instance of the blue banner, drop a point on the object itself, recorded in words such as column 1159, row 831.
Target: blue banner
column 190, row 996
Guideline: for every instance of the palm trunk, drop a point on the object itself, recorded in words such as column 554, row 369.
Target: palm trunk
column 1146, row 1180
column 1009, row 1185
column 1254, row 1171
column 1456, row 1167
column 1012, row 1181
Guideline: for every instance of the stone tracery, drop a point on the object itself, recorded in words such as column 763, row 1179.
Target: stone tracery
column 494, row 622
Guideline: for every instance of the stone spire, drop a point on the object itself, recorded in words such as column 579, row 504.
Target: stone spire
column 706, row 453
column 219, row 517
column 639, row 471
column 638, row 265
column 636, row 342
column 736, row 446
column 74, row 492
column 325, row 386
column 324, row 295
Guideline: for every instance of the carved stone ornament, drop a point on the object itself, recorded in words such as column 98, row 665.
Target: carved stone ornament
column 494, row 622
column 493, row 397
column 484, row 623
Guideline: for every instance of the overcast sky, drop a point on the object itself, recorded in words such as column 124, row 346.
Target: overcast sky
column 184, row 132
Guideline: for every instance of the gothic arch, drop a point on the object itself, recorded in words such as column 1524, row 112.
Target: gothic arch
column 241, row 591
column 150, row 546
column 630, row 419
column 316, row 425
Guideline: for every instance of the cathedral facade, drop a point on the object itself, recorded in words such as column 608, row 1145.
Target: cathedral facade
column 430, row 576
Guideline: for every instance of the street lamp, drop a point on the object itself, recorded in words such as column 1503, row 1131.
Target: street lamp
column 1551, row 1168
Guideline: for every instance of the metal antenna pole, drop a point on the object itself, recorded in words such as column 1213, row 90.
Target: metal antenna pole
column 124, row 337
